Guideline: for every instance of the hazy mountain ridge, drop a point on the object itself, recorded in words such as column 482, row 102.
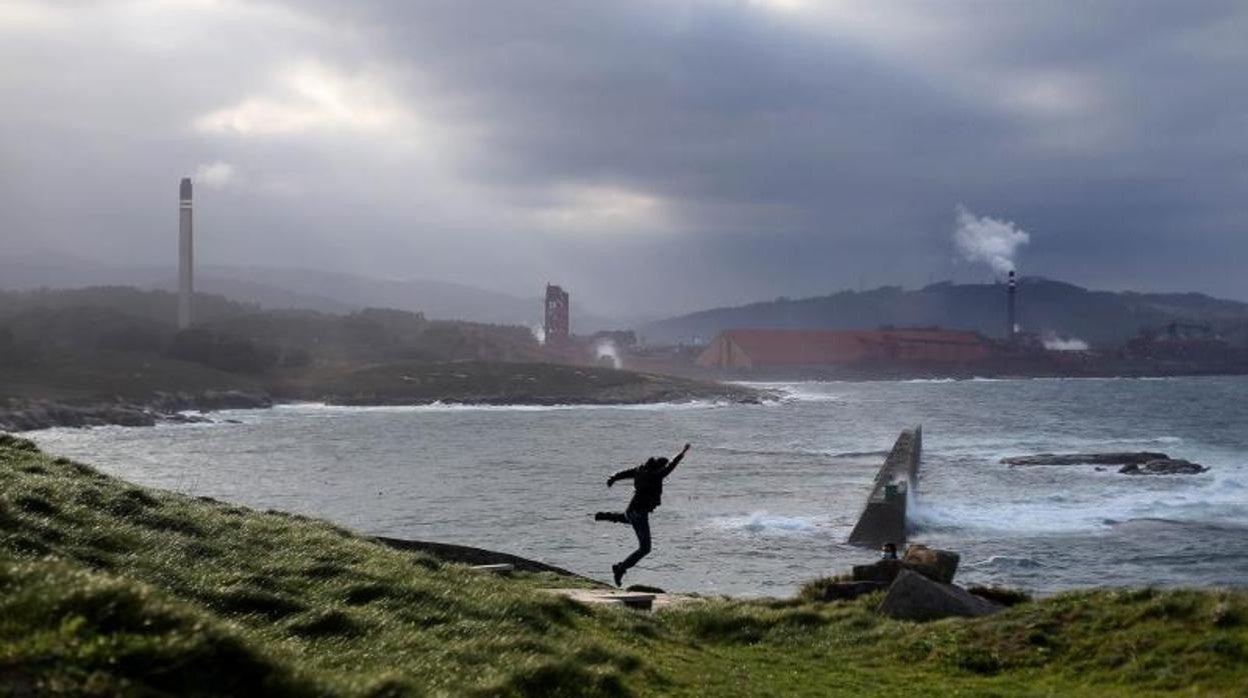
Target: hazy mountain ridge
column 1044, row 306
column 304, row 289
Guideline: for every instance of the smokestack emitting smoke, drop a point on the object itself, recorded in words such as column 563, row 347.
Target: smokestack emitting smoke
column 1011, row 316
column 989, row 240
column 186, row 256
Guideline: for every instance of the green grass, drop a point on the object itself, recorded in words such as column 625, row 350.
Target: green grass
column 486, row 381
column 104, row 377
column 74, row 378
column 111, row 589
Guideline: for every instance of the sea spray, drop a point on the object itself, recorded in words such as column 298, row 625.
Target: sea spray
column 606, row 350
column 1053, row 342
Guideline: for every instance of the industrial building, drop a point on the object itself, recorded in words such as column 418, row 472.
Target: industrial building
column 765, row 348
column 557, row 325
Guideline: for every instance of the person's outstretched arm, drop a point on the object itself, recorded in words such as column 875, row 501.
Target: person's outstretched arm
column 622, row 475
column 675, row 461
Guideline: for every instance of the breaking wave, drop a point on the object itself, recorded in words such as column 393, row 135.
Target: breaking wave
column 1005, row 562
column 440, row 406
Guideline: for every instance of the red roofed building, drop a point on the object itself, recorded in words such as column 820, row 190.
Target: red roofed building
column 744, row 349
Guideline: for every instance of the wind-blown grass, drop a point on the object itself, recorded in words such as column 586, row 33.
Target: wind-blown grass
column 107, row 589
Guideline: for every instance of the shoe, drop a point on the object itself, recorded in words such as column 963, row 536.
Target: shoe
column 601, row 516
column 618, row 571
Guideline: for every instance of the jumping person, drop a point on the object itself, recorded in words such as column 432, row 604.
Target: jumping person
column 648, row 484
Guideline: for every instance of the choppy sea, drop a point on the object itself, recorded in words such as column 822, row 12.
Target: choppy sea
column 768, row 494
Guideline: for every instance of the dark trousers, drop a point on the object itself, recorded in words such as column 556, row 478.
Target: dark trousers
column 640, row 521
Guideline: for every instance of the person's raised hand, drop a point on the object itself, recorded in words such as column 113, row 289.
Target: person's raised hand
column 610, row 482
column 686, row 448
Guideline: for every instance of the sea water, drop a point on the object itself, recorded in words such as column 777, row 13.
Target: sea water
column 768, row 494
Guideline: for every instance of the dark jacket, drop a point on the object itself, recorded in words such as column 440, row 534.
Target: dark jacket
column 648, row 482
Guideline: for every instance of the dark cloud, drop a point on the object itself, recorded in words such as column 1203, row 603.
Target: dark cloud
column 655, row 156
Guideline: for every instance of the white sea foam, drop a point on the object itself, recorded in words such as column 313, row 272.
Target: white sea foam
column 763, row 523
column 1006, row 562
column 1076, row 500
column 797, row 391
column 468, row 407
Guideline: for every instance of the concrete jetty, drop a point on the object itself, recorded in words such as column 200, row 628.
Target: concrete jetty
column 883, row 519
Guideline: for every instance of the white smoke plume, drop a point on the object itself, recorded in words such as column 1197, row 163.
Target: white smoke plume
column 215, row 175
column 1054, row 343
column 539, row 333
column 606, row 350
column 989, row 240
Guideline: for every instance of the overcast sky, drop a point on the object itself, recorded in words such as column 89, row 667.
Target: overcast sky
column 651, row 156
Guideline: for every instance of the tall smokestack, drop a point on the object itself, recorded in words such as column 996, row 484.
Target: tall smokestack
column 186, row 256
column 1012, row 330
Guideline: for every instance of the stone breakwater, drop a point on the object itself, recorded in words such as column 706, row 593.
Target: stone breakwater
column 883, row 519
column 30, row 415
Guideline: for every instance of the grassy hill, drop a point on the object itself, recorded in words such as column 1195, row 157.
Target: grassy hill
column 100, row 346
column 111, row 589
column 1044, row 306
column 416, row 382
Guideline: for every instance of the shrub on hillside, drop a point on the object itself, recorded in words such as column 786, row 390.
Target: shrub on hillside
column 223, row 352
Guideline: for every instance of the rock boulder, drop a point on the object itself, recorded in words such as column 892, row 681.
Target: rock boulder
column 1164, row 466
column 914, row 597
column 938, row 565
column 882, row 572
column 1126, row 458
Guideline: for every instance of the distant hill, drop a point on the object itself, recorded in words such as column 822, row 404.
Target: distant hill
column 304, row 289
column 46, row 324
column 1044, row 306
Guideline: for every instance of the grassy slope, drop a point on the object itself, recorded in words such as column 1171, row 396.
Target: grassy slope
column 71, row 379
column 110, row 588
column 137, row 377
column 481, row 381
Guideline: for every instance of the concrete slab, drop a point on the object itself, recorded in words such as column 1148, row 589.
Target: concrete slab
column 607, row 597
column 501, row 568
column 631, row 599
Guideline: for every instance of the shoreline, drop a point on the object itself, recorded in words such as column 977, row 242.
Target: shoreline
column 18, row 415
column 36, row 415
column 838, row 375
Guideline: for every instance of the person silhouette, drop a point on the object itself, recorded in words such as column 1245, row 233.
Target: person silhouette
column 647, row 496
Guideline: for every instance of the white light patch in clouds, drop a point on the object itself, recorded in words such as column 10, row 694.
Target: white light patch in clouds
column 781, row 5
column 28, row 16
column 988, row 240
column 1053, row 93
column 311, row 97
column 606, row 209
column 215, row 175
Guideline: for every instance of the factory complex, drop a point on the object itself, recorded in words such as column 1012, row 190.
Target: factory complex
column 813, row 352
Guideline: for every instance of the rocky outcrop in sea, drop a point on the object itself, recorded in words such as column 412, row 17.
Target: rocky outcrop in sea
column 30, row 415
column 1132, row 462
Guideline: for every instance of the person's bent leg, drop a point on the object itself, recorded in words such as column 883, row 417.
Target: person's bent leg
column 641, row 526
column 611, row 516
